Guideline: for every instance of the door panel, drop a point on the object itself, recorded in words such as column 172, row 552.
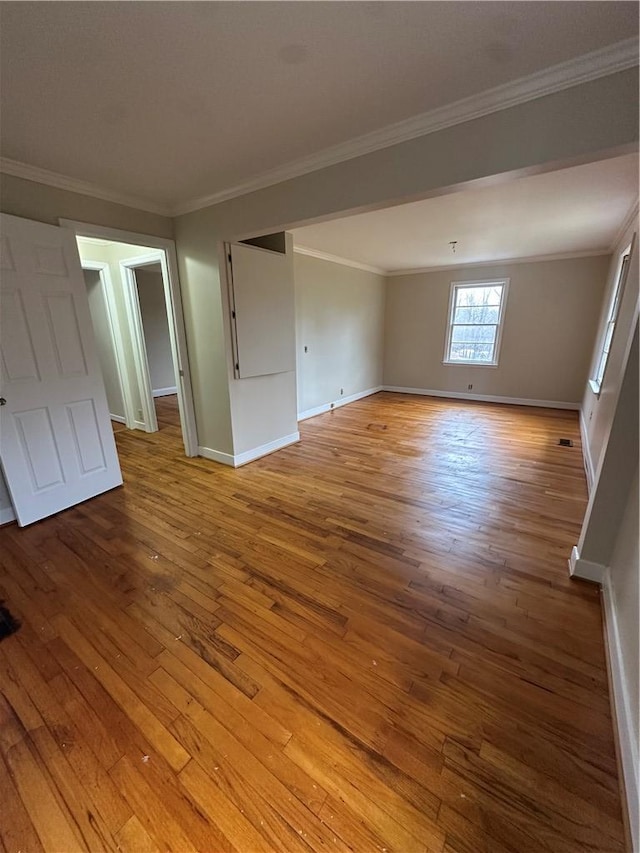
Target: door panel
column 264, row 311
column 56, row 441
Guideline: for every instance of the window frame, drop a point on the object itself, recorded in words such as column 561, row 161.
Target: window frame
column 459, row 285
column 601, row 362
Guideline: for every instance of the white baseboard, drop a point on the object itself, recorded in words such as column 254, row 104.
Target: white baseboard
column 140, row 425
column 216, row 456
column 628, row 747
column 235, row 461
column 586, row 453
column 117, row 418
column 342, row 401
column 585, row 569
column 7, row 514
column 164, row 392
column 265, row 449
column 483, row 398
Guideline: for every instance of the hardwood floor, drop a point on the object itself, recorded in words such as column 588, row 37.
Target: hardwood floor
column 367, row 641
column 167, row 411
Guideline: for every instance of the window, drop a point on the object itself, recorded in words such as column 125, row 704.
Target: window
column 476, row 313
column 610, row 326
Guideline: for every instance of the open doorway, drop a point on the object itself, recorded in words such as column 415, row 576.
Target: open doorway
column 136, row 314
column 158, row 379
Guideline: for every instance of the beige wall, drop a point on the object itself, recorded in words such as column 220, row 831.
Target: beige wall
column 625, row 594
column 340, row 319
column 619, row 461
column 204, row 302
column 112, row 254
column 49, row 204
column 575, row 125
column 550, row 320
column 598, row 410
column 153, row 310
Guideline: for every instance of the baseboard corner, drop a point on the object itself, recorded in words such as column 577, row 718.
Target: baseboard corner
column 265, row 449
column 584, row 569
column 216, row 456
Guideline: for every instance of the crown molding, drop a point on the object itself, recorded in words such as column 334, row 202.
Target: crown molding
column 64, row 182
column 590, row 66
column 501, row 262
column 629, row 218
column 336, row 259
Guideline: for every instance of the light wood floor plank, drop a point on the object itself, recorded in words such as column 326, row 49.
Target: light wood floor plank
column 367, row 641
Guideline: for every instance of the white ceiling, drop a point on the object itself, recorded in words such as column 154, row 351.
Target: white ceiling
column 172, row 101
column 568, row 211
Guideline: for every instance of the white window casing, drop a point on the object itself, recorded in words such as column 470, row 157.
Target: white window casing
column 475, row 322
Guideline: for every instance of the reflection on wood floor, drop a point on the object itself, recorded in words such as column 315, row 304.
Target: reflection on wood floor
column 367, row 641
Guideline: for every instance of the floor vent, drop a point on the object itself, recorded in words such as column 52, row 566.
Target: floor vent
column 565, row 442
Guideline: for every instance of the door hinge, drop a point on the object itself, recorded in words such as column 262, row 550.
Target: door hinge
column 229, row 257
column 233, row 314
column 237, row 365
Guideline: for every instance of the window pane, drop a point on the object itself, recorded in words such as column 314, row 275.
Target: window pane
column 477, row 314
column 473, row 334
column 471, row 352
column 472, row 296
column 607, row 338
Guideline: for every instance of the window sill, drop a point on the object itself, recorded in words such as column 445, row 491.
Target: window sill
column 470, row 363
column 595, row 387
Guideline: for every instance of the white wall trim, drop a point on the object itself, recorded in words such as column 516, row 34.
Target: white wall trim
column 117, row 418
column 173, row 297
column 483, row 398
column 248, row 455
column 336, row 404
column 503, row 262
column 265, row 449
column 336, row 259
column 586, row 452
column 164, row 392
column 136, row 334
column 581, row 69
column 104, row 271
column 75, row 185
column 585, row 569
column 216, row 456
column 628, row 748
column 7, row 514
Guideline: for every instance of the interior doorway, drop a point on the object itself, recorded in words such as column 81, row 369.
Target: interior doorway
column 136, row 312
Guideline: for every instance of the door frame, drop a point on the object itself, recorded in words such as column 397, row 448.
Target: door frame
column 175, row 314
column 134, row 316
column 102, row 268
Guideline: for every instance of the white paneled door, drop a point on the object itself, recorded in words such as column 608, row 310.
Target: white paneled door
column 56, row 441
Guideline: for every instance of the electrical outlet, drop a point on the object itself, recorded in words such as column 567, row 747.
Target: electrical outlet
column 332, row 405
column 469, row 387
column 306, row 349
column 341, row 391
